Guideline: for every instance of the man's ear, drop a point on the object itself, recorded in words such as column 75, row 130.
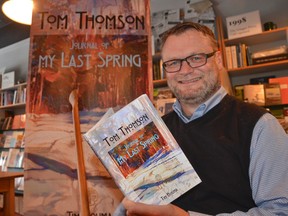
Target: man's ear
column 219, row 60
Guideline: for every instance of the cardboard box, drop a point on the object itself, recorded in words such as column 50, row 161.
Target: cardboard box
column 244, row 25
column 283, row 81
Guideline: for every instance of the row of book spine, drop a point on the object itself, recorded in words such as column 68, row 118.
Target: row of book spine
column 13, row 122
column 158, row 73
column 10, row 97
column 238, row 56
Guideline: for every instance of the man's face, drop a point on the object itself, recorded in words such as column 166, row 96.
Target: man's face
column 192, row 85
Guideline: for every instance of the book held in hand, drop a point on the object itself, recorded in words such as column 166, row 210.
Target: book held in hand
column 140, row 153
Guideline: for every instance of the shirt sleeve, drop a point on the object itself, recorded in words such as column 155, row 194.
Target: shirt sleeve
column 268, row 169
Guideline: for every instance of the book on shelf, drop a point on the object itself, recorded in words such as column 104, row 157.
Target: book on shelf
column 162, row 93
column 13, row 96
column 283, row 81
column 272, row 94
column 19, row 121
column 140, row 153
column 158, row 72
column 278, row 53
column 268, row 59
column 234, row 56
column 164, row 106
column 14, row 157
column 254, row 94
column 8, row 139
column 8, row 123
column 228, row 57
column 19, row 183
column 2, row 140
column 261, row 80
column 19, row 141
column 13, row 139
column 243, row 53
column 7, row 97
column 239, row 92
column 3, row 160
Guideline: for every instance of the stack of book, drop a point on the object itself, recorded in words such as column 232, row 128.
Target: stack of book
column 270, row 55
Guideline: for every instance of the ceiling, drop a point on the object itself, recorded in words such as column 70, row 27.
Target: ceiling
column 276, row 11
column 11, row 32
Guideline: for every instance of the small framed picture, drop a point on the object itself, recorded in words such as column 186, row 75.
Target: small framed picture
column 8, row 79
column 164, row 106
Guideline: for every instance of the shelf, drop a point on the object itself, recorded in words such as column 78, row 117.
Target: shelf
column 260, row 68
column 157, row 56
column 14, row 106
column 276, row 105
column 18, row 129
column 13, row 97
column 159, row 83
column 260, row 41
column 264, row 37
column 14, row 87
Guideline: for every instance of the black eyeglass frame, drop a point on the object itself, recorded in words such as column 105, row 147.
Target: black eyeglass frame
column 208, row 55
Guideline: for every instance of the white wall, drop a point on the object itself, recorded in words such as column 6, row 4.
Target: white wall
column 15, row 58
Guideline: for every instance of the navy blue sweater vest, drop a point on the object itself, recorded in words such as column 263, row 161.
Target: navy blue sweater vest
column 218, row 147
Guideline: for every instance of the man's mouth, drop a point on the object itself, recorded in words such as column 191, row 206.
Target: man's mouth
column 189, row 80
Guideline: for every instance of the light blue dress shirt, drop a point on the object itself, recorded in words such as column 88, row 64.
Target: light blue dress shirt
column 268, row 169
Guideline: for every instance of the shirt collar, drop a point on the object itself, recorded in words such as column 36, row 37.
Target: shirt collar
column 202, row 108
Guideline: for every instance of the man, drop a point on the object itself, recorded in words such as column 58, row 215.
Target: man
column 238, row 149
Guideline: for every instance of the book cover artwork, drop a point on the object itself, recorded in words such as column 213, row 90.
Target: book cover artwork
column 141, row 154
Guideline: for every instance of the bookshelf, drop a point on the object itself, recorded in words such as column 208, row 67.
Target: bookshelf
column 12, row 130
column 257, row 42
column 242, row 75
column 13, row 97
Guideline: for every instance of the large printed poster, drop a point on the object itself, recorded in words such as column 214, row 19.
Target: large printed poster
column 101, row 49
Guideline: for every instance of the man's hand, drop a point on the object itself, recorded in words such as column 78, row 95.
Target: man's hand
column 140, row 209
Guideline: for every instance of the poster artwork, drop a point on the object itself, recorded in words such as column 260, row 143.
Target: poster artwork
column 102, row 49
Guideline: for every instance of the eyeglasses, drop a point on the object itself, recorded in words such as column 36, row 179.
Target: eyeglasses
column 194, row 61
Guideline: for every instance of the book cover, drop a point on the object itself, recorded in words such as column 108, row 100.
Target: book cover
column 141, row 154
column 19, row 121
column 3, row 160
column 8, row 139
column 272, row 94
column 234, row 56
column 19, row 183
column 102, row 49
column 254, row 94
column 228, row 57
column 19, row 159
column 16, row 122
column 283, row 82
column 12, row 138
column 165, row 106
column 13, row 157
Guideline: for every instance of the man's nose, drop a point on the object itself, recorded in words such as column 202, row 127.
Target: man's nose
column 186, row 67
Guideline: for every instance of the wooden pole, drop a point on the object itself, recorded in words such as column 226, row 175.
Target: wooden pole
column 84, row 208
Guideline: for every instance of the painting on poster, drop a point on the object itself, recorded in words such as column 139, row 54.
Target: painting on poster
column 102, row 49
